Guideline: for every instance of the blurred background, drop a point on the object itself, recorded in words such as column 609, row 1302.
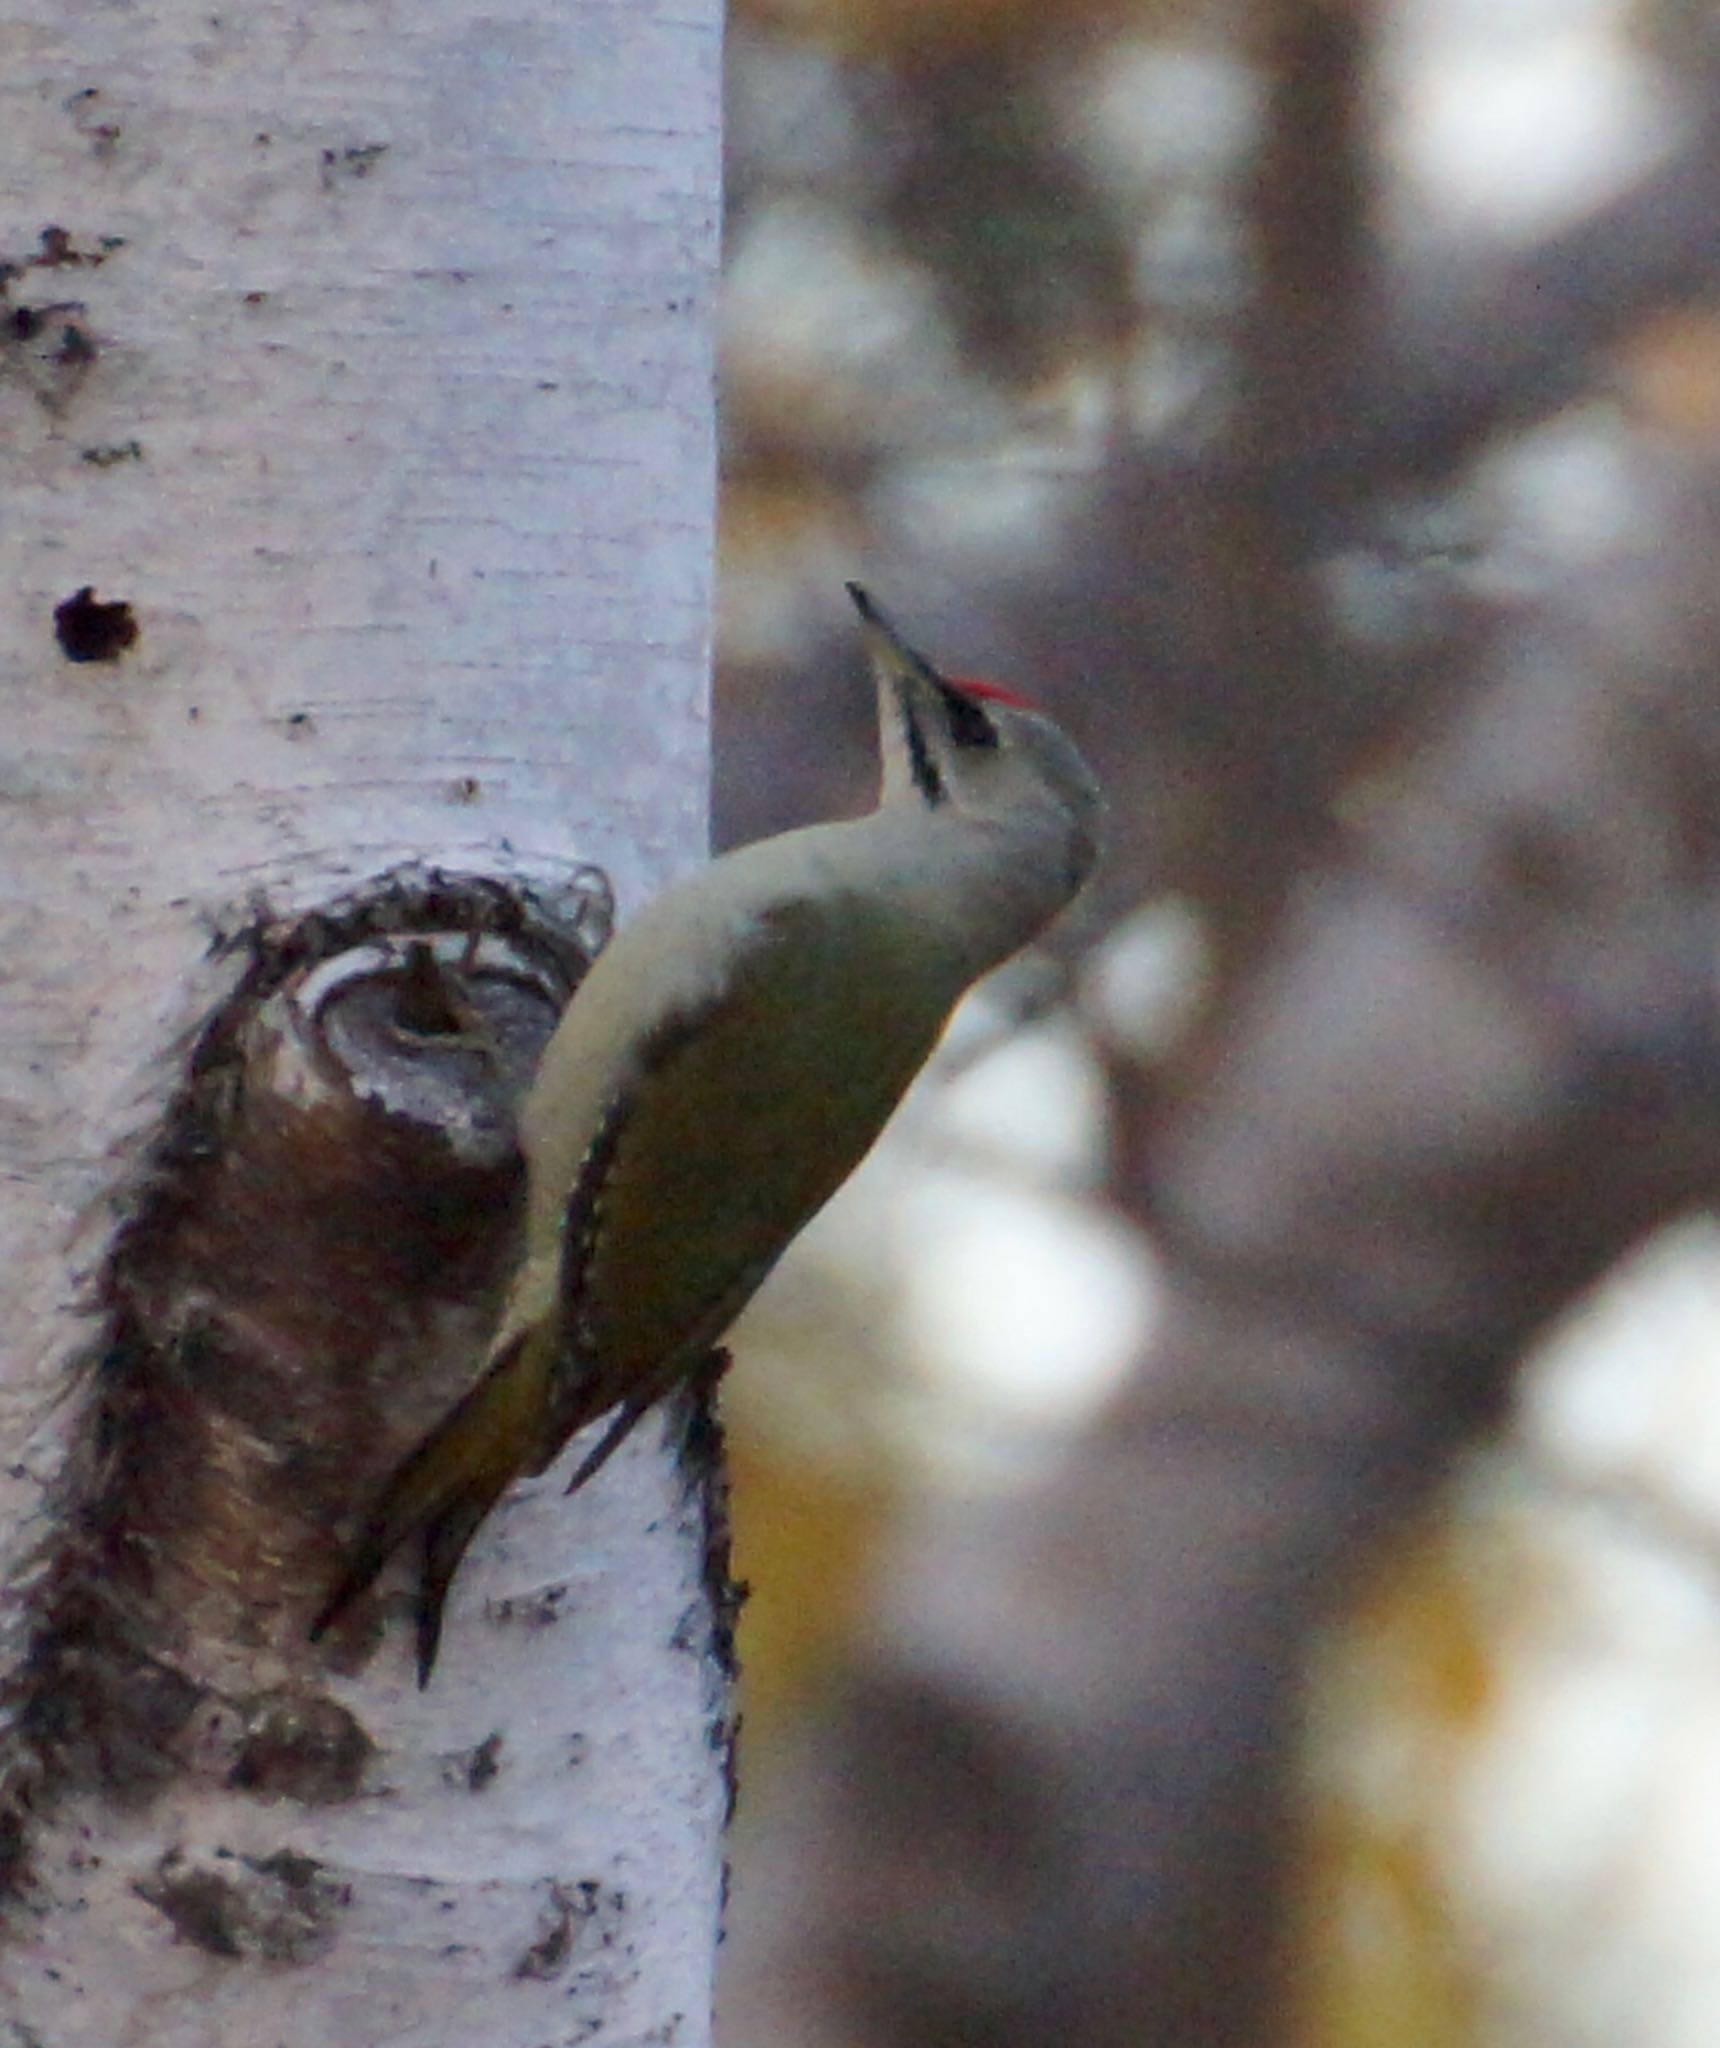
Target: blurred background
column 1011, row 291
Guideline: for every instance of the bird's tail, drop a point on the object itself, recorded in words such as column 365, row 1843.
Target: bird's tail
column 445, row 1487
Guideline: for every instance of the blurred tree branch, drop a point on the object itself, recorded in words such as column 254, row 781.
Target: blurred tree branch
column 1362, row 379
column 1462, row 358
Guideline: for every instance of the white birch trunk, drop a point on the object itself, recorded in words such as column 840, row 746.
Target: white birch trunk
column 363, row 352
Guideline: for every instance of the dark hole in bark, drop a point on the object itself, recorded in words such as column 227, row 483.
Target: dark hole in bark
column 89, row 630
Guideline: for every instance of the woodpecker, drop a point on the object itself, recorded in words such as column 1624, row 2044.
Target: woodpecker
column 722, row 1069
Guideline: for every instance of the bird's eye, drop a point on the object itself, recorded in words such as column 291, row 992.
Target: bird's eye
column 969, row 722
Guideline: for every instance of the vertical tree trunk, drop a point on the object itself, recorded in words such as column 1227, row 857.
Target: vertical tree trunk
column 356, row 453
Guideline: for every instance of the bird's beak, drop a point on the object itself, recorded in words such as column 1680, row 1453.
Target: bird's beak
column 907, row 686
column 893, row 660
column 906, row 680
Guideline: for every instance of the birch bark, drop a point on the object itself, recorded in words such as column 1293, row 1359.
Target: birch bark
column 356, row 429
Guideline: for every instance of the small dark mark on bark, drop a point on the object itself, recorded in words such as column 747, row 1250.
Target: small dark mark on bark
column 89, row 630
column 102, row 135
column 568, row 1910
column 199, row 1904
column 277, row 1909
column 476, row 1768
column 56, row 250
column 300, row 1745
column 704, row 1470
column 76, row 351
column 52, row 349
column 59, row 252
column 356, row 161
column 115, row 452
column 541, row 1609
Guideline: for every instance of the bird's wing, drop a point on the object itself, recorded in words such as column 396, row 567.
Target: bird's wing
column 745, row 1112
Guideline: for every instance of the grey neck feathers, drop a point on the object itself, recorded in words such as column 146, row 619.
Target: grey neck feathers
column 992, row 883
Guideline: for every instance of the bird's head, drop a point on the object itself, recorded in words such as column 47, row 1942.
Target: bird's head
column 978, row 751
